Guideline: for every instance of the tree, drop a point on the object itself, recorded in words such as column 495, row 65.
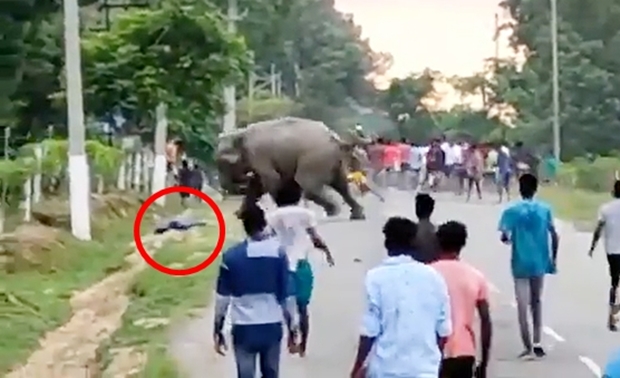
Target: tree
column 589, row 42
column 178, row 54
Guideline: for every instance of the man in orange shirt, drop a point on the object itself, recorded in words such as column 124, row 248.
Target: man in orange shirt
column 392, row 160
column 468, row 290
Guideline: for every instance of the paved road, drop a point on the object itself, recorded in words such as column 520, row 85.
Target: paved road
column 575, row 312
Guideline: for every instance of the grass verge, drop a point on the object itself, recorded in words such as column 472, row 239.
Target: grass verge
column 34, row 301
column 575, row 205
column 158, row 300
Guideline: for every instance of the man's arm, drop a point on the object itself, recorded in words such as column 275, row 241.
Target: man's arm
column 505, row 226
column 371, row 322
column 555, row 238
column 443, row 325
column 222, row 298
column 598, row 231
column 486, row 325
column 317, row 240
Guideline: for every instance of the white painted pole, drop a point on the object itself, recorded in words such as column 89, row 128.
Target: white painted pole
column 79, row 177
column 230, row 118
column 159, row 169
column 37, row 180
column 556, row 80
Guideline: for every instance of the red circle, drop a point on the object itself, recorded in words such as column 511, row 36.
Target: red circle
column 186, row 271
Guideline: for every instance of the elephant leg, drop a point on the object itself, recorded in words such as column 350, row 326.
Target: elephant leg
column 314, row 190
column 341, row 186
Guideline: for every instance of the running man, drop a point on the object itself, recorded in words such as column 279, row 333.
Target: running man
column 407, row 314
column 503, row 173
column 426, row 247
column 359, row 179
column 527, row 226
column 474, row 167
column 295, row 227
column 416, row 165
column 469, row 294
column 609, row 226
column 392, row 161
column 435, row 164
column 257, row 302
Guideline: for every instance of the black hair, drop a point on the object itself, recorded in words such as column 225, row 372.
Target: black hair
column 528, row 185
column 424, row 206
column 519, row 144
column 185, row 164
column 399, row 234
column 616, row 192
column 253, row 219
column 288, row 194
column 452, row 236
column 403, row 140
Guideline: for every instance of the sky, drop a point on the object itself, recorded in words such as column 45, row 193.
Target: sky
column 451, row 36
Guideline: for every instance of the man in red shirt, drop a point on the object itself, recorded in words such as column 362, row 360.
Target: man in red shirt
column 392, row 160
column 375, row 157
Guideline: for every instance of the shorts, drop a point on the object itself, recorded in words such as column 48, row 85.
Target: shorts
column 448, row 169
column 304, row 282
column 301, row 283
column 613, row 261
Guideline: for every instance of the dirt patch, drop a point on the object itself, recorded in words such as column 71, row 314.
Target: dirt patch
column 70, row 351
column 30, row 247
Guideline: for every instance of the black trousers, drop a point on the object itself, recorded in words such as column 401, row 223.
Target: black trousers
column 458, row 367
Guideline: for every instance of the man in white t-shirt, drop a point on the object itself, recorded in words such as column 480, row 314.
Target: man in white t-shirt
column 448, row 150
column 295, row 227
column 609, row 226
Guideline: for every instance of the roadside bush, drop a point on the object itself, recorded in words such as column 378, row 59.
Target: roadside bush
column 597, row 175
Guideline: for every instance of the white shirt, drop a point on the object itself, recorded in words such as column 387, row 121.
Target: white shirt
column 424, row 151
column 610, row 214
column 449, row 152
column 457, row 153
column 291, row 224
column 416, row 158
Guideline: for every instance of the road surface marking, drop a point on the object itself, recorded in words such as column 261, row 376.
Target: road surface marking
column 594, row 368
column 550, row 332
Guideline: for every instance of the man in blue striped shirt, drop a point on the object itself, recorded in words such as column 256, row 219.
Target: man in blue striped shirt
column 253, row 282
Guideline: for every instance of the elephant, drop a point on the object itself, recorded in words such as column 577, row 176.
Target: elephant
column 271, row 153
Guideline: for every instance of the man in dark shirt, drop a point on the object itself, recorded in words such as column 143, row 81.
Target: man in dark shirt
column 426, row 245
column 435, row 164
column 253, row 283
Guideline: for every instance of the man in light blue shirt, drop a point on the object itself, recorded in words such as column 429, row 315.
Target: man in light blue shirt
column 407, row 315
column 527, row 226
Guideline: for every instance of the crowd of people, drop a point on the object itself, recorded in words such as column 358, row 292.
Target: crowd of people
column 421, row 301
column 414, row 166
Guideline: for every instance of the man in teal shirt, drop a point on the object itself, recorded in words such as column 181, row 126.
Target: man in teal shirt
column 527, row 226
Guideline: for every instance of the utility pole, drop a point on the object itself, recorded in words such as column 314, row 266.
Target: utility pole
column 556, row 80
column 230, row 118
column 79, row 177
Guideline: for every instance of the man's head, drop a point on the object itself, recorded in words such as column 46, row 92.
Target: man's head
column 289, row 194
column 399, row 234
column 616, row 192
column 519, row 144
column 185, row 164
column 452, row 237
column 403, row 140
column 528, row 185
column 253, row 219
column 424, row 206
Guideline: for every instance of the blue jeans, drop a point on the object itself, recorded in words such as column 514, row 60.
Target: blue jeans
column 268, row 361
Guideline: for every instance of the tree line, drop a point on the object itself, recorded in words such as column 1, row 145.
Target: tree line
column 180, row 52
column 516, row 92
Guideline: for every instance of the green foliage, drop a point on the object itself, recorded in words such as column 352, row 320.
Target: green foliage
column 177, row 54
